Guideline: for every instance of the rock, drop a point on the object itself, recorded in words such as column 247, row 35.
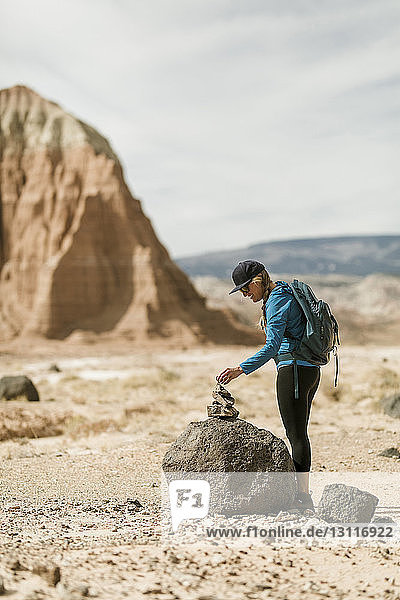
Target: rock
column 130, row 505
column 77, row 253
column 342, row 503
column 48, row 571
column 220, row 445
column 249, row 469
column 54, row 368
column 19, row 385
column 383, row 519
column 222, row 405
column 15, row 565
column 134, row 504
column 391, row 405
column 390, row 453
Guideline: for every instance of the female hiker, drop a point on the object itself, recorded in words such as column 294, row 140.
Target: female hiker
column 283, row 322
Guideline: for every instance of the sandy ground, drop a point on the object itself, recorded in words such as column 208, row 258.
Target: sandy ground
column 75, row 466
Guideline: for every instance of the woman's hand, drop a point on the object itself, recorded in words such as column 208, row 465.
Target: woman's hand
column 229, row 374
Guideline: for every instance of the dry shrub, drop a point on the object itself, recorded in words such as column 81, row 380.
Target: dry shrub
column 332, row 393
column 77, row 426
column 37, row 421
column 156, row 380
column 135, row 382
column 79, row 400
column 166, row 375
column 381, row 382
column 30, row 422
column 388, row 380
column 385, row 382
column 141, row 409
column 367, row 389
column 155, row 408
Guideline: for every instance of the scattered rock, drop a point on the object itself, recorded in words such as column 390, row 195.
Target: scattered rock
column 390, row 453
column 383, row 519
column 391, row 405
column 15, row 565
column 49, row 572
column 13, row 386
column 342, row 503
column 249, row 469
column 130, row 505
column 135, row 504
column 54, row 368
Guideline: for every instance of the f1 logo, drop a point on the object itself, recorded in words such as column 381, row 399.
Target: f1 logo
column 189, row 499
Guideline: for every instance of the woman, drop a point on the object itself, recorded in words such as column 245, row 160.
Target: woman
column 283, row 322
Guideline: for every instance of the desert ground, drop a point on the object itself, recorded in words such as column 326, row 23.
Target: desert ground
column 81, row 472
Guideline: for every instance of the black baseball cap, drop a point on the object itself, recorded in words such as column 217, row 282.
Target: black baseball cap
column 244, row 273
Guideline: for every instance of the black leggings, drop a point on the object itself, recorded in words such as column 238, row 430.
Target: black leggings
column 295, row 413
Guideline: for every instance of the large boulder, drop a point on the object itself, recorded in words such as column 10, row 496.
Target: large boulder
column 249, row 469
column 14, row 386
column 342, row 503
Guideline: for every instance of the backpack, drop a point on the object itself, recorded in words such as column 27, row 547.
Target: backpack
column 321, row 334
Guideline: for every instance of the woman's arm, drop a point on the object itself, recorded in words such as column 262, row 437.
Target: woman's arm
column 228, row 374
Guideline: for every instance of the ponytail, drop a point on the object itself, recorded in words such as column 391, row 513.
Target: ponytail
column 265, row 281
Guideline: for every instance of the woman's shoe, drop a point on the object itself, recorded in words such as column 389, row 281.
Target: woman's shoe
column 303, row 501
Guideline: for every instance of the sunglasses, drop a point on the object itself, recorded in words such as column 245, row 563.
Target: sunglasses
column 244, row 289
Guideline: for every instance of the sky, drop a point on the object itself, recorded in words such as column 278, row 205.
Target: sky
column 236, row 121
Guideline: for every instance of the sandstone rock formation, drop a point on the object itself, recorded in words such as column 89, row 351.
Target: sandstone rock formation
column 76, row 250
column 249, row 469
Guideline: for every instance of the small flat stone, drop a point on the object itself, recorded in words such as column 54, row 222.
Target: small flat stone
column 390, row 453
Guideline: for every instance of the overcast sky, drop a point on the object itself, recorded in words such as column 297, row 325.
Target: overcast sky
column 236, row 121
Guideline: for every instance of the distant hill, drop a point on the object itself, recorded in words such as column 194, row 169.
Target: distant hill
column 367, row 308
column 347, row 255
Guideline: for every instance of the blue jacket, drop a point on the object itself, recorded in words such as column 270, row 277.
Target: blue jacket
column 283, row 315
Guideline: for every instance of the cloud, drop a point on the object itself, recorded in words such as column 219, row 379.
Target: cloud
column 234, row 121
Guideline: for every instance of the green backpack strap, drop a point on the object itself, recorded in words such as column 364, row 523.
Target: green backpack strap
column 336, row 355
